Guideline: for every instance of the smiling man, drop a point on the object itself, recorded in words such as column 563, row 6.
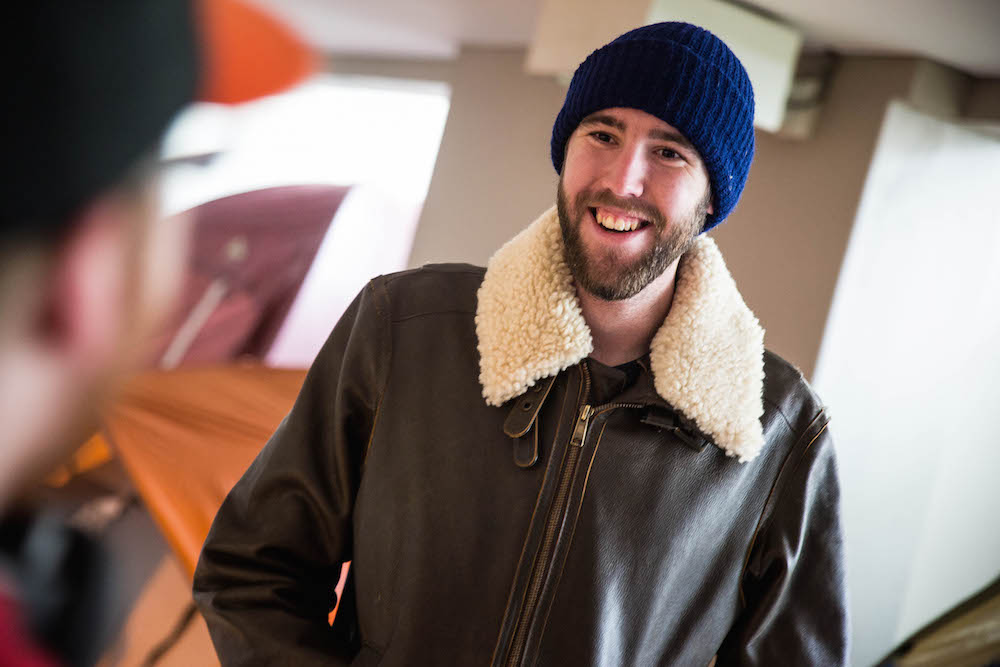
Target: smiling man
column 581, row 455
column 615, row 153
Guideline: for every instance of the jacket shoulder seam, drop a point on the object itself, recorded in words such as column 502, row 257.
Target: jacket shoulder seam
column 382, row 311
column 441, row 269
column 793, row 459
column 451, row 311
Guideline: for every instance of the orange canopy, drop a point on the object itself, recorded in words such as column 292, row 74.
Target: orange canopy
column 186, row 437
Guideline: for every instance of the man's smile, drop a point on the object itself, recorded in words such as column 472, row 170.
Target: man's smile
column 617, row 220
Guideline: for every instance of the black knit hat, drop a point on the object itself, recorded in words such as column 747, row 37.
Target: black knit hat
column 91, row 87
column 683, row 75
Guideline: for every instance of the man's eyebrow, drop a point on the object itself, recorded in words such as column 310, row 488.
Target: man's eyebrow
column 603, row 119
column 660, row 135
column 675, row 137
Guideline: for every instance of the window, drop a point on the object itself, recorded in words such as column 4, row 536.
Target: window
column 379, row 136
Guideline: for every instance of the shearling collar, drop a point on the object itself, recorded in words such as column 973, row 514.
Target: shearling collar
column 707, row 357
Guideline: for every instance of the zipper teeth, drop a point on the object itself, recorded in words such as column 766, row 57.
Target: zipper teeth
column 607, row 406
column 555, row 516
column 545, row 552
column 612, row 406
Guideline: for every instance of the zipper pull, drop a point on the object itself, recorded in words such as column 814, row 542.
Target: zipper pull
column 580, row 430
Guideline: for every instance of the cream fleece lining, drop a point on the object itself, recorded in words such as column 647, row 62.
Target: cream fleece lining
column 707, row 357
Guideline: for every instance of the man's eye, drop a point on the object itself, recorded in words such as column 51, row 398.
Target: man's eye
column 669, row 154
column 603, row 137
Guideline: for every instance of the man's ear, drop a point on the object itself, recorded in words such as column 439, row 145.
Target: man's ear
column 82, row 312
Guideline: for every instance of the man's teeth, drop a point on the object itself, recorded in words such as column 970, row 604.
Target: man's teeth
column 609, row 221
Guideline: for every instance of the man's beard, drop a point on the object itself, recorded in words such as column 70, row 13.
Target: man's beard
column 617, row 281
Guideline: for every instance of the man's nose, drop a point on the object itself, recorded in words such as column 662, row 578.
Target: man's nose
column 628, row 173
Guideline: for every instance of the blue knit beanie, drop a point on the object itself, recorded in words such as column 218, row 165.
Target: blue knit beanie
column 683, row 75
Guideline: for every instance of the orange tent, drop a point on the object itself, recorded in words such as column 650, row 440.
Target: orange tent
column 186, row 436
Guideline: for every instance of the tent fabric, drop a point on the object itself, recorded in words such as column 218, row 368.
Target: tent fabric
column 186, row 436
column 253, row 250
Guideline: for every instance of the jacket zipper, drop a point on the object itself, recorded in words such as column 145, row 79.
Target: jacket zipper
column 556, row 516
column 552, row 525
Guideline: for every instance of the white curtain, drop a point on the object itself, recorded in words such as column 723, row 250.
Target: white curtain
column 910, row 367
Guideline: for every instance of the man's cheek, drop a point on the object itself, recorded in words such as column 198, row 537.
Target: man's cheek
column 161, row 273
column 172, row 254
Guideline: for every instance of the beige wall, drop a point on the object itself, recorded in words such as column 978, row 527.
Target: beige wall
column 425, row 70
column 493, row 175
column 984, row 100
column 939, row 90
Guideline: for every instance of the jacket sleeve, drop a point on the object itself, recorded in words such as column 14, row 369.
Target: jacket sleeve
column 266, row 576
column 795, row 609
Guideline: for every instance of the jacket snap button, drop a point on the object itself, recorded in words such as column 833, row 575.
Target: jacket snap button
column 526, row 405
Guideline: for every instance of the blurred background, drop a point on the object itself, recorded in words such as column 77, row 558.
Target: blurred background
column 867, row 242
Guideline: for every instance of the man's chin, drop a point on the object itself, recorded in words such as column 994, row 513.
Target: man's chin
column 615, row 284
column 605, row 292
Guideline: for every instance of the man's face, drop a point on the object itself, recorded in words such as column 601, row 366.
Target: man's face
column 81, row 314
column 633, row 195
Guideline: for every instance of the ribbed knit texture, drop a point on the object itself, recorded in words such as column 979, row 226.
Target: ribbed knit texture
column 687, row 77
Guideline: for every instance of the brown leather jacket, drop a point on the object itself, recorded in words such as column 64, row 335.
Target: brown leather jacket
column 585, row 519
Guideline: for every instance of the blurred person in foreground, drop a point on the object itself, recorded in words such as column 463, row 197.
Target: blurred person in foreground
column 581, row 455
column 86, row 268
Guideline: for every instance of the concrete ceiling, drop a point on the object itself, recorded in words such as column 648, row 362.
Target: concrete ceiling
column 962, row 33
column 408, row 28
